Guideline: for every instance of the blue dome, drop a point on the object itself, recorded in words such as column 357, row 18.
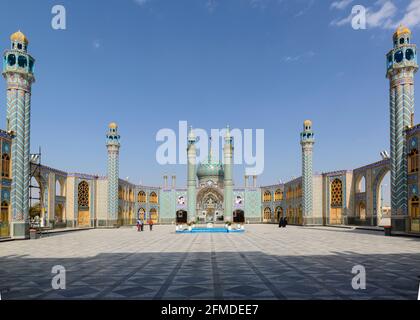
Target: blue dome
column 210, row 169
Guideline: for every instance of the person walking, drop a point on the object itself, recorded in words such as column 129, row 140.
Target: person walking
column 281, row 222
column 141, row 224
column 138, row 225
column 285, row 222
column 151, row 224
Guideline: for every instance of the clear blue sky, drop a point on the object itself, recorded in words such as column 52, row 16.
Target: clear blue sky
column 266, row 64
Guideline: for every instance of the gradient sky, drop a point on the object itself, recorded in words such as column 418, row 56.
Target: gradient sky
column 267, row 64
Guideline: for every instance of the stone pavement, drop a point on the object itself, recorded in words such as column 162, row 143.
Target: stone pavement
column 263, row 263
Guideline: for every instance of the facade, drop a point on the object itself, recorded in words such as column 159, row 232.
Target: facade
column 6, row 183
column 77, row 200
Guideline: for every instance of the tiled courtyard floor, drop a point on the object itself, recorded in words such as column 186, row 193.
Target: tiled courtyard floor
column 263, row 263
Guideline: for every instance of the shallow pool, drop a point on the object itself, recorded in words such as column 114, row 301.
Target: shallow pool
column 209, row 230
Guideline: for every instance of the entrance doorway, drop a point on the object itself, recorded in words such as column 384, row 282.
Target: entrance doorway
column 239, row 216
column 83, row 199
column 336, row 204
column 181, row 216
column 4, row 220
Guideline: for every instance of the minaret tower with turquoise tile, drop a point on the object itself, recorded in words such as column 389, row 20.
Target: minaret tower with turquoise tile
column 191, row 179
column 228, row 178
column 113, row 146
column 401, row 68
column 18, row 70
column 307, row 142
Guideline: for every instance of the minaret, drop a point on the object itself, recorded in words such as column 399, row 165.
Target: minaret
column 307, row 142
column 228, row 180
column 113, row 146
column 401, row 67
column 18, row 67
column 191, row 183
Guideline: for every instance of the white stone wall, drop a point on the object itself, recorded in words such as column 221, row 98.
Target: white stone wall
column 317, row 196
column 70, row 194
column 101, row 199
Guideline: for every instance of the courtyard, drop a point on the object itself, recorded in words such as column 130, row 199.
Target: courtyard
column 263, row 263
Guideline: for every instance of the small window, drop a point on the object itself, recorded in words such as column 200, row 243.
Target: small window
column 5, row 166
column 31, row 65
column 19, row 46
column 402, row 41
column 22, row 61
column 11, row 59
column 409, row 54
column 399, row 56
column 408, row 40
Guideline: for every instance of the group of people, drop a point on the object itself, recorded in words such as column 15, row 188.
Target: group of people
column 140, row 224
column 283, row 222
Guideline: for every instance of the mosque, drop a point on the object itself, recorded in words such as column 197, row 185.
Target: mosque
column 76, row 200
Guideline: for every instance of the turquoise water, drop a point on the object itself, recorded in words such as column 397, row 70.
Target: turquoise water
column 210, row 230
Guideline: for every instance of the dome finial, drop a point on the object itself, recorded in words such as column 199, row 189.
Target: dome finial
column 19, row 37
column 402, row 29
column 113, row 125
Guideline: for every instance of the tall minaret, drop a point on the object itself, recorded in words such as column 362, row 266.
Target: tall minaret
column 401, row 67
column 191, row 183
column 228, row 180
column 113, row 146
column 307, row 142
column 18, row 67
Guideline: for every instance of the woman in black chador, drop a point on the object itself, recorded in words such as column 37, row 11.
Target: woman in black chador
column 285, row 222
column 281, row 222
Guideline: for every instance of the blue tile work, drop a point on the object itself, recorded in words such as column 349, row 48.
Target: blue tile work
column 400, row 72
column 113, row 147
column 19, row 78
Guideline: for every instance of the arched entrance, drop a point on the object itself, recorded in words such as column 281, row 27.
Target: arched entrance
column 120, row 220
column 267, row 214
column 4, row 220
column 300, row 215
column 38, row 199
column 239, row 216
column 83, row 217
column 361, row 211
column 414, row 211
column 181, row 216
column 59, row 216
column 130, row 217
column 141, row 214
column 279, row 213
column 336, row 202
column 210, row 204
column 154, row 215
column 382, row 196
column 361, row 184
